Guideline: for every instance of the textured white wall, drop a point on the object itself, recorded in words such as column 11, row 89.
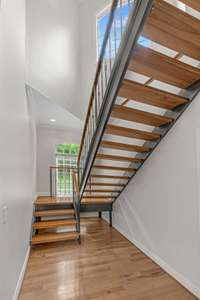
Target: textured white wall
column 16, row 148
column 160, row 208
column 47, row 139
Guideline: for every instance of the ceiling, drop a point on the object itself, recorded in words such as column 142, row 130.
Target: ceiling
column 43, row 110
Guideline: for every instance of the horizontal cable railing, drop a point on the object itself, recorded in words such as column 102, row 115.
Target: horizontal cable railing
column 110, row 72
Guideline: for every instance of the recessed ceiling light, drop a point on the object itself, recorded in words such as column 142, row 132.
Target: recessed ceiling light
column 52, row 120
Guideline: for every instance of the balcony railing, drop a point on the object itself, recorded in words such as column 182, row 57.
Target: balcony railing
column 113, row 61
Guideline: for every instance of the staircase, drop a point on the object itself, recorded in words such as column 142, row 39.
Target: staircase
column 139, row 92
column 55, row 220
column 142, row 86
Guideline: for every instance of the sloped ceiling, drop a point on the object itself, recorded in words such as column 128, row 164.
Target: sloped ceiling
column 52, row 44
column 43, row 110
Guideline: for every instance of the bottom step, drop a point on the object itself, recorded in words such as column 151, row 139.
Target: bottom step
column 54, row 237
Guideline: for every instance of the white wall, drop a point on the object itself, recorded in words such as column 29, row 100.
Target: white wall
column 160, row 209
column 47, row 139
column 53, row 64
column 16, row 148
column 88, row 11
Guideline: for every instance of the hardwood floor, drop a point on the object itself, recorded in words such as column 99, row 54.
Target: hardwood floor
column 105, row 266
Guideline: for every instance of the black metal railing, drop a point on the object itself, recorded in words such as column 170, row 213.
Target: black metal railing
column 61, row 181
column 76, row 197
column 113, row 61
column 64, row 183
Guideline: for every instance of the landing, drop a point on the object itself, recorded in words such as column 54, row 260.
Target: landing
column 104, row 267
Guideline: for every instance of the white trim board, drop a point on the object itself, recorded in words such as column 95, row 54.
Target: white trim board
column 21, row 276
column 186, row 283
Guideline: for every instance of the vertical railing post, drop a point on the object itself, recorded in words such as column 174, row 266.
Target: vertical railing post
column 51, row 191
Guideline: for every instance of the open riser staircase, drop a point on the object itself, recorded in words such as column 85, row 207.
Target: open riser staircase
column 138, row 93
column 145, row 80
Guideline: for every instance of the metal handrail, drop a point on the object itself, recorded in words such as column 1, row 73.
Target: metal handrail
column 102, row 53
column 129, row 38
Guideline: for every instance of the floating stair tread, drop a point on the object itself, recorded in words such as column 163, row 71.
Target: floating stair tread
column 97, row 197
column 125, row 147
column 54, row 212
column 118, row 158
column 173, row 28
column 139, row 116
column 149, row 95
column 103, row 167
column 96, row 200
column 48, row 200
column 163, row 68
column 106, row 184
column 131, row 133
column 101, row 191
column 195, row 4
column 109, row 177
column 54, row 237
column 53, row 224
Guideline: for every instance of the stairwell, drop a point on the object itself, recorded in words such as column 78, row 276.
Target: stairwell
column 139, row 93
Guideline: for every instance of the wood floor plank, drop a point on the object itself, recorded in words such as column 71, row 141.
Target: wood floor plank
column 149, row 95
column 195, row 4
column 173, row 28
column 139, row 116
column 106, row 266
column 163, row 68
column 119, row 158
column 131, row 133
column 125, row 147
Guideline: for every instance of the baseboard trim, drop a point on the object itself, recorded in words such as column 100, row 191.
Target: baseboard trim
column 21, row 276
column 176, row 275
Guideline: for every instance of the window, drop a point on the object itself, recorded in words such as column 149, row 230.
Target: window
column 119, row 24
column 66, row 160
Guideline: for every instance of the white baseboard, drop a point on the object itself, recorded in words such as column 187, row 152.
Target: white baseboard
column 195, row 290
column 21, row 276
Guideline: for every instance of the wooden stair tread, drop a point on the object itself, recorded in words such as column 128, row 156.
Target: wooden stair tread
column 103, row 167
column 124, row 147
column 54, row 237
column 48, row 200
column 173, row 28
column 149, row 95
column 97, row 197
column 163, row 68
column 53, row 212
column 131, row 133
column 106, row 184
column 101, row 191
column 53, row 223
column 139, row 116
column 118, row 158
column 96, row 200
column 195, row 4
column 109, row 176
